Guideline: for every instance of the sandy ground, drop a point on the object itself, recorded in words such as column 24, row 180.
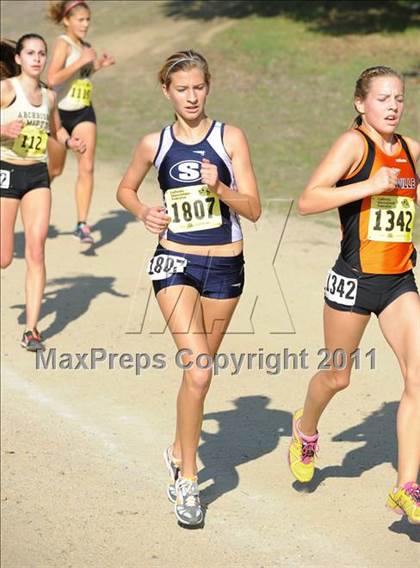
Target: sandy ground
column 83, row 476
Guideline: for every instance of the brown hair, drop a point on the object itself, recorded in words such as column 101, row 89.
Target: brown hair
column 183, row 61
column 8, row 66
column 364, row 81
column 20, row 44
column 58, row 10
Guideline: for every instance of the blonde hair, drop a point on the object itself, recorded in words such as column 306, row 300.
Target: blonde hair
column 183, row 61
column 364, row 81
column 58, row 10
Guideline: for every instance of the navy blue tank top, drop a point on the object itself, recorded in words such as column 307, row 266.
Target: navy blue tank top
column 178, row 167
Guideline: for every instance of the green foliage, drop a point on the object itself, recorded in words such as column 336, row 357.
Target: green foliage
column 332, row 17
column 287, row 85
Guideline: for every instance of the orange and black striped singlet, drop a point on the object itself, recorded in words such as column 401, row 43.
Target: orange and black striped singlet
column 377, row 230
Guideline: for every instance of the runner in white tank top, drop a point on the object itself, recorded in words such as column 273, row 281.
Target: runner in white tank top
column 29, row 115
column 72, row 64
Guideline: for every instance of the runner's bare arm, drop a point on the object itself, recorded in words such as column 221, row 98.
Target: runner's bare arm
column 57, row 73
column 414, row 147
column 58, row 131
column 321, row 194
column 246, row 200
column 10, row 129
column 105, row 60
column 7, row 93
column 154, row 218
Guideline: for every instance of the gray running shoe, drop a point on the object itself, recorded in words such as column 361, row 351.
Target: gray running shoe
column 188, row 509
column 173, row 473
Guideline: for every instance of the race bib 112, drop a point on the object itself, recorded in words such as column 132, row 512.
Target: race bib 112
column 31, row 142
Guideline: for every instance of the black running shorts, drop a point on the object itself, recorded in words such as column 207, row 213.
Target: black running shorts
column 17, row 180
column 349, row 290
column 71, row 118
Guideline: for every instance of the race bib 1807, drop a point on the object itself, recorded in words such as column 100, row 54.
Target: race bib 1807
column 162, row 266
column 391, row 219
column 81, row 91
column 192, row 208
column 340, row 289
column 31, row 142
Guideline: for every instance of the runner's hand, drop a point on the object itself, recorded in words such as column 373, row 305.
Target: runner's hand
column 156, row 220
column 106, row 60
column 209, row 174
column 12, row 129
column 76, row 144
column 88, row 55
column 384, row 180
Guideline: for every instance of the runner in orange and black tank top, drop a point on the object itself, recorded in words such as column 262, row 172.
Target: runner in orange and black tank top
column 370, row 176
column 377, row 231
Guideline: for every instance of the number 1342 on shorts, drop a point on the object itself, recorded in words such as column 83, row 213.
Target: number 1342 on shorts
column 340, row 289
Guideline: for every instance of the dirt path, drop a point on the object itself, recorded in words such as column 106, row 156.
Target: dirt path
column 83, row 478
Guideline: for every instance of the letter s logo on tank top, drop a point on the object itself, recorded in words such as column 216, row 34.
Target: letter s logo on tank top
column 186, row 171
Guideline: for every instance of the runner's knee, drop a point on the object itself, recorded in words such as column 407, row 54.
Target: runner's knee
column 6, row 259
column 55, row 171
column 339, row 380
column 412, row 380
column 86, row 167
column 198, row 380
column 34, row 251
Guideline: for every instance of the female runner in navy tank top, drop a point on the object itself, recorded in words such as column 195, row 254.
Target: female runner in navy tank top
column 206, row 176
